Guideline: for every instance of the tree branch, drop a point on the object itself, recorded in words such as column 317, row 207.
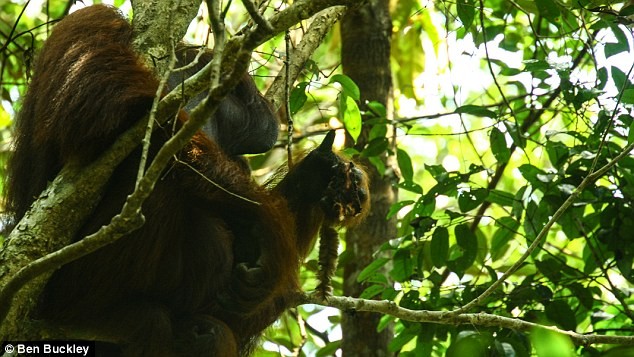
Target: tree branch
column 314, row 36
column 387, row 307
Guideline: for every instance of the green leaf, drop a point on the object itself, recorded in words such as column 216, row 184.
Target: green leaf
column 351, row 117
column 557, row 152
column 439, row 248
column 405, row 164
column 531, row 174
column 378, row 164
column 476, row 110
column 411, row 186
column 411, row 300
column 550, row 268
column 551, row 344
column 437, row 171
column 395, row 208
column 422, row 225
column 349, row 88
column 375, row 147
column 619, row 33
column 503, row 235
column 602, row 77
column 500, row 150
column 559, row 312
column 330, row 349
column 627, row 10
column 612, row 49
column 501, row 198
column 402, row 267
column 377, row 131
column 371, row 269
column 536, row 65
column 468, row 200
column 298, row 97
column 372, row 291
column 517, row 138
column 508, row 71
column 628, row 96
column 549, row 10
column 583, row 294
column 619, row 77
column 468, row 343
column 404, row 337
column 466, row 12
column 377, row 109
column 468, row 245
column 624, row 263
column 536, row 219
column 518, row 202
column 424, row 206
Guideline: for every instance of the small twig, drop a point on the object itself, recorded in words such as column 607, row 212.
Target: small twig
column 220, row 187
column 220, row 40
column 152, row 117
column 287, row 99
column 256, row 16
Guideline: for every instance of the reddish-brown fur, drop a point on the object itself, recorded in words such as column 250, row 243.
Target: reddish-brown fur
column 208, row 271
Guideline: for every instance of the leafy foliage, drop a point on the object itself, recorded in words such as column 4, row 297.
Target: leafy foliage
column 502, row 109
column 553, row 107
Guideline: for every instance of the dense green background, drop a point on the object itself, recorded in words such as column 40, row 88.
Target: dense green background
column 501, row 109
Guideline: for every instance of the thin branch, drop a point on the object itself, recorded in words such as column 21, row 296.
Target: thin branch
column 155, row 102
column 388, row 307
column 256, row 16
column 488, row 60
column 218, row 186
column 288, row 84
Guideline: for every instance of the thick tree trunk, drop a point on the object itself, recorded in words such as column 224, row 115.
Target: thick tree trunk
column 366, row 33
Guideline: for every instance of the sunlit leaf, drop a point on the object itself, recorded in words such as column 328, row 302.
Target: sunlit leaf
column 466, row 12
column 298, row 97
column 549, row 10
column 372, row 291
column 405, row 164
column 375, row 147
column 349, row 88
column 371, row 269
column 476, row 110
column 468, row 200
column 501, row 198
column 377, row 109
column 351, row 117
column 551, row 344
column 330, row 349
column 404, row 337
column 398, row 206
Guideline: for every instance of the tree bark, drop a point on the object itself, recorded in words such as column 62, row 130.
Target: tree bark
column 366, row 33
